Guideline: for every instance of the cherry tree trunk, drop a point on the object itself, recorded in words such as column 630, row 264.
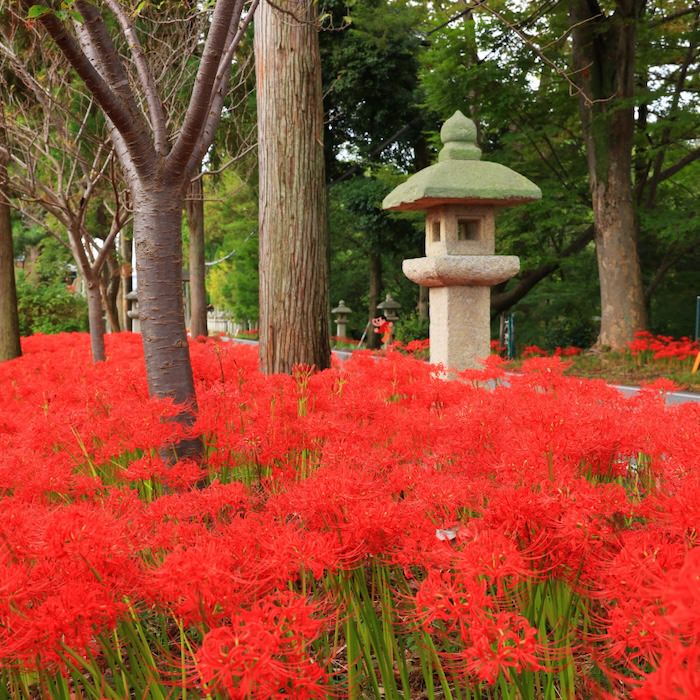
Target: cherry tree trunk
column 198, row 291
column 158, row 237
column 9, row 319
column 294, row 306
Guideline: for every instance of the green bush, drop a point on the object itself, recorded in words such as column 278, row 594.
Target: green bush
column 576, row 330
column 412, row 327
column 49, row 307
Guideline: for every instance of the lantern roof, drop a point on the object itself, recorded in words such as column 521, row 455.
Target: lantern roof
column 461, row 177
column 341, row 308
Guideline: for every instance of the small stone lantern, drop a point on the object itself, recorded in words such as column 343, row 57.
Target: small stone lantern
column 341, row 318
column 132, row 300
column 460, row 194
column 389, row 308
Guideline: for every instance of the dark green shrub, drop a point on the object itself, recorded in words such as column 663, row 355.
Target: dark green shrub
column 411, row 327
column 49, row 307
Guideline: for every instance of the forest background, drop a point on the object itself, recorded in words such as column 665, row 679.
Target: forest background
column 393, row 71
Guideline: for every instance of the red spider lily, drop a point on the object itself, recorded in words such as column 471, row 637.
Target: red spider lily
column 662, row 347
column 263, row 652
column 552, row 486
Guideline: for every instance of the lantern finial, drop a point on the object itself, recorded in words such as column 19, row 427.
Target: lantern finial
column 458, row 135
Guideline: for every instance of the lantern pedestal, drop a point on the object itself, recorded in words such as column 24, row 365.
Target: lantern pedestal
column 459, row 338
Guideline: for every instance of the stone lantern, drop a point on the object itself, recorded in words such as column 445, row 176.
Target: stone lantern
column 132, row 300
column 341, row 318
column 389, row 308
column 460, row 195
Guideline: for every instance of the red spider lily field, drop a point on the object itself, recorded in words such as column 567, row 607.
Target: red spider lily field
column 371, row 531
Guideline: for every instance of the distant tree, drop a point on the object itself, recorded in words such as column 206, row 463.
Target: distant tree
column 372, row 94
column 604, row 56
column 371, row 239
column 294, row 306
column 231, row 213
column 194, row 206
column 375, row 117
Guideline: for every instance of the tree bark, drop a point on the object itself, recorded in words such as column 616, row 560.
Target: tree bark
column 96, row 321
column 604, row 61
column 111, row 284
column 423, row 307
column 294, row 304
column 198, row 291
column 9, row 318
column 158, row 238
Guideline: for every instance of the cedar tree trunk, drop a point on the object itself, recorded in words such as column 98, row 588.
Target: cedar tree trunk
column 294, row 306
column 198, row 290
column 604, row 59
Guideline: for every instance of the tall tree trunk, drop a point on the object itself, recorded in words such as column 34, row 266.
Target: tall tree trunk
column 294, row 306
column 375, row 289
column 96, row 319
column 198, row 291
column 604, row 60
column 92, row 274
column 158, row 237
column 111, row 284
column 9, row 318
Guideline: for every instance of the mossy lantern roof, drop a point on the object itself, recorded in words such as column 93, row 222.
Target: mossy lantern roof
column 460, row 177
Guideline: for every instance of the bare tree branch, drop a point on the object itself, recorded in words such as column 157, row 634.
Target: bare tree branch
column 201, row 97
column 150, row 91
column 219, row 93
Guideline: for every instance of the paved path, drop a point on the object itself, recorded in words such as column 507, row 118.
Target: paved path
column 672, row 398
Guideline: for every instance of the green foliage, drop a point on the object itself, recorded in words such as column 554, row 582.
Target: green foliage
column 563, row 309
column 44, row 301
column 360, row 229
column 49, row 307
column 230, row 213
column 370, row 74
column 411, row 327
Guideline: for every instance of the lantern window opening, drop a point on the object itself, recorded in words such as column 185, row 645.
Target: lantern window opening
column 469, row 229
column 435, row 230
